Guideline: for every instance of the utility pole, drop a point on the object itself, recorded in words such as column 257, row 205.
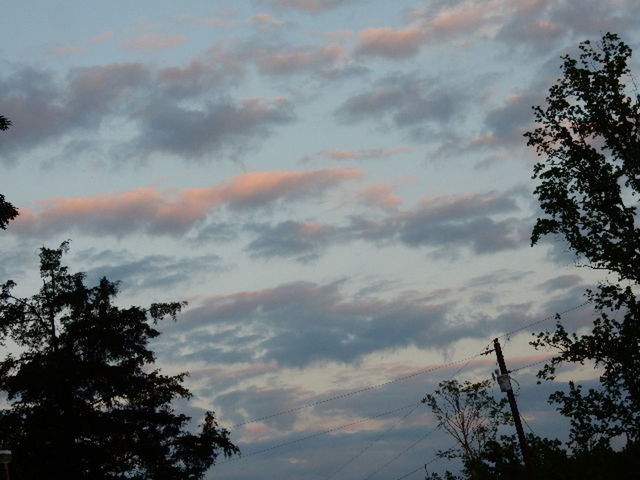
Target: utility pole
column 505, row 386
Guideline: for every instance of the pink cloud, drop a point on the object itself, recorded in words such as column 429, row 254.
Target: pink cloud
column 388, row 42
column 300, row 59
column 380, row 195
column 308, row 5
column 265, row 20
column 154, row 41
column 174, row 212
column 211, row 21
column 363, row 154
column 102, row 37
column 456, row 22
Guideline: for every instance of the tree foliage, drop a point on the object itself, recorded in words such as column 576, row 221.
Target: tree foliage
column 7, row 211
column 84, row 400
column 472, row 417
column 5, row 123
column 588, row 136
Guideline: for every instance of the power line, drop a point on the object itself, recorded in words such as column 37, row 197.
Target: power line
column 537, row 322
column 379, row 437
column 356, row 392
column 371, row 444
column 318, row 434
column 397, row 456
column 419, row 468
column 402, row 378
column 531, row 364
column 411, row 473
column 413, row 406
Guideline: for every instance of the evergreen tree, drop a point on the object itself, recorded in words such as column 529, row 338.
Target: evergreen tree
column 84, row 401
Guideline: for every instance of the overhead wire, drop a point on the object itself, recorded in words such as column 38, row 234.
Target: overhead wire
column 410, row 473
column 421, row 467
column 401, row 378
column 358, row 391
column 371, row 444
column 383, row 434
column 545, row 319
column 372, row 387
column 401, row 453
column 317, row 434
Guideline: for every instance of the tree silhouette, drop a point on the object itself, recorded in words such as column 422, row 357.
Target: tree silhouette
column 589, row 182
column 84, row 400
column 7, row 211
column 472, row 417
column 5, row 123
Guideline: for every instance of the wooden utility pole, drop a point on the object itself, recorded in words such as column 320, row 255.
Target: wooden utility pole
column 505, row 386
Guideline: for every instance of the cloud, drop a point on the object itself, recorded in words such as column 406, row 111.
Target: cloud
column 154, row 41
column 218, row 67
column 301, row 324
column 507, row 123
column 292, row 60
column 166, row 127
column 561, row 282
column 174, row 212
column 47, row 110
column 66, row 49
column 299, row 240
column 308, row 6
column 390, row 43
column 536, row 25
column 380, row 195
column 408, row 100
column 102, row 37
column 148, row 272
column 210, row 21
column 498, row 277
column 265, row 21
column 446, row 225
column 539, row 25
column 344, row 155
column 304, row 323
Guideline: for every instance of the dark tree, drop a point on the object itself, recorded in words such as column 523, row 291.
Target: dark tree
column 471, row 417
column 84, row 400
column 7, row 211
column 588, row 139
column 5, row 123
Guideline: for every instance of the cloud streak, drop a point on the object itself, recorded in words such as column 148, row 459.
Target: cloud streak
column 445, row 225
column 174, row 212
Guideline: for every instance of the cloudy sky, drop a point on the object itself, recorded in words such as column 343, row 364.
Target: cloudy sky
column 339, row 188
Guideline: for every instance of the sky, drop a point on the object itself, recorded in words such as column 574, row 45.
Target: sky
column 340, row 189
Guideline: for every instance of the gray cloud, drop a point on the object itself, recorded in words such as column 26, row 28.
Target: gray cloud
column 290, row 238
column 196, row 133
column 293, row 60
column 308, row 6
column 539, row 26
column 446, row 225
column 302, row 323
column 407, row 100
column 561, row 282
column 47, row 110
column 497, row 277
column 148, row 272
column 305, row 323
